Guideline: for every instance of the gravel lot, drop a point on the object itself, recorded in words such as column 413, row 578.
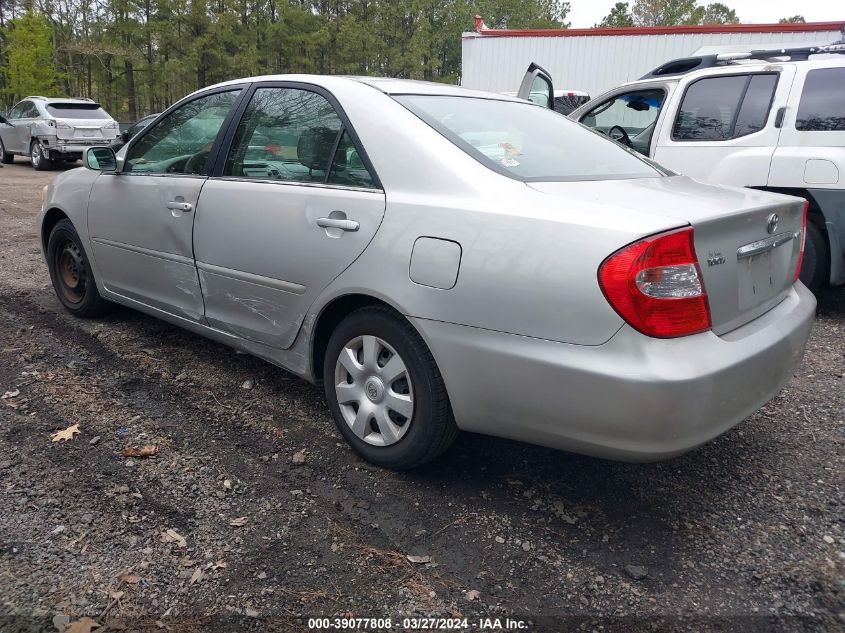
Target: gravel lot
column 272, row 519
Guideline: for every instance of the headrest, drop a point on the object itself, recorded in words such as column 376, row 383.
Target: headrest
column 314, row 147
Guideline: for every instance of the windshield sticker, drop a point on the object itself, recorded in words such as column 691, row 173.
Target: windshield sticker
column 509, row 162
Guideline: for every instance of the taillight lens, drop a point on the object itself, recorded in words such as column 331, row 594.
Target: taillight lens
column 111, row 125
column 803, row 241
column 655, row 284
column 62, row 125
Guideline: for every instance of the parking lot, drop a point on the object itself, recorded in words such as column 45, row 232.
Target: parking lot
column 253, row 512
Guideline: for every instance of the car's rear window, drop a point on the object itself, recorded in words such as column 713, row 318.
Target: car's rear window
column 527, row 142
column 77, row 111
column 822, row 106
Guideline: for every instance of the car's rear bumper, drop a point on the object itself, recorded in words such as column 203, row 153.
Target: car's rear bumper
column 60, row 146
column 634, row 397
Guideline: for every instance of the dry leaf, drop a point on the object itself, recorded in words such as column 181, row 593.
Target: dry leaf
column 218, row 565
column 299, row 457
column 239, row 522
column 172, row 536
column 63, row 436
column 82, row 625
column 472, row 595
column 227, row 484
column 419, row 559
column 139, row 451
column 196, row 575
column 187, row 562
column 10, row 394
column 129, row 579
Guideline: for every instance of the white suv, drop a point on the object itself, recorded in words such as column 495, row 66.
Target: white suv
column 54, row 130
column 771, row 120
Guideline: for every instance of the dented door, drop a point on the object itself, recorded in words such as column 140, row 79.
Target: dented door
column 265, row 250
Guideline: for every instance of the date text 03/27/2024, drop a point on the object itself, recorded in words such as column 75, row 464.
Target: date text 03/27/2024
column 419, row 624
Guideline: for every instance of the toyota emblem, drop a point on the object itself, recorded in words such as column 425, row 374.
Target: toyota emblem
column 772, row 223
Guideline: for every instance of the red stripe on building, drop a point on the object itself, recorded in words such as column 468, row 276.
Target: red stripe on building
column 801, row 27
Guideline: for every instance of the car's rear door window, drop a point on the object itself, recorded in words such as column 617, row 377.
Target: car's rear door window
column 724, row 107
column 527, row 142
column 294, row 135
column 30, row 111
column 822, row 105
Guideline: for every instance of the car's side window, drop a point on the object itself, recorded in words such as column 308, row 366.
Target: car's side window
column 725, row 107
column 347, row 167
column 23, row 110
column 15, row 113
column 629, row 117
column 181, row 142
column 290, row 134
column 822, row 105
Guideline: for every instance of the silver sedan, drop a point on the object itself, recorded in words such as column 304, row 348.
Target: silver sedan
column 443, row 259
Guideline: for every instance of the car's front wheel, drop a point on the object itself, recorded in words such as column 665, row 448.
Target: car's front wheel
column 5, row 157
column 71, row 274
column 39, row 158
column 385, row 391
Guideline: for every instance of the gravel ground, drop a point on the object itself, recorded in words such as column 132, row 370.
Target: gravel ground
column 253, row 514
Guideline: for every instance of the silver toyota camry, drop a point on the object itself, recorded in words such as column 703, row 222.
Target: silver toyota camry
column 443, row 259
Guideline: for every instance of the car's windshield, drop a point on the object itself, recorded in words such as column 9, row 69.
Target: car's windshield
column 527, row 142
column 77, row 111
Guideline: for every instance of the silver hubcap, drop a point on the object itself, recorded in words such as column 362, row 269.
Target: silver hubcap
column 36, row 154
column 374, row 390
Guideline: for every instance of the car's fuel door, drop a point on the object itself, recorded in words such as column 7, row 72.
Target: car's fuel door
column 537, row 87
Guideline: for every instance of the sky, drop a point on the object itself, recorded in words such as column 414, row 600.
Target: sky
column 586, row 13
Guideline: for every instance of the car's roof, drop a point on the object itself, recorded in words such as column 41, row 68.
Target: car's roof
column 386, row 85
column 50, row 100
column 819, row 61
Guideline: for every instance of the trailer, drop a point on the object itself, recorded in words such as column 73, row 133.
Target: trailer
column 597, row 59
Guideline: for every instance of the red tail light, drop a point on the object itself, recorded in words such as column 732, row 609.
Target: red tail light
column 803, row 241
column 655, row 284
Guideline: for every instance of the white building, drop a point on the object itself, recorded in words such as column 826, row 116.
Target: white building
column 598, row 59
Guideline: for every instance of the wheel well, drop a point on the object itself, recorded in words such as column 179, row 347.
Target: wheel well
column 329, row 319
column 51, row 219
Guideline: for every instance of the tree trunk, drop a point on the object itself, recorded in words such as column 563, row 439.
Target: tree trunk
column 131, row 102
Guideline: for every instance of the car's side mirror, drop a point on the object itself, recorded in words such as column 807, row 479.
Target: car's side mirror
column 100, row 159
column 3, row 117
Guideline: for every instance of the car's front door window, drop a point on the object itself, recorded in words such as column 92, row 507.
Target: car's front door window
column 17, row 111
column 629, row 117
column 181, row 142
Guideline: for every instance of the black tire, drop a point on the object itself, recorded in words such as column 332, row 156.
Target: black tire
column 815, row 269
column 432, row 425
column 71, row 274
column 5, row 157
column 39, row 159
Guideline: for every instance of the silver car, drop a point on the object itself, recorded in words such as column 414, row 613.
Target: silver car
column 50, row 131
column 443, row 259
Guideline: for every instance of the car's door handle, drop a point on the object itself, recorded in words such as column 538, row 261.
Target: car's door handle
column 337, row 223
column 185, row 207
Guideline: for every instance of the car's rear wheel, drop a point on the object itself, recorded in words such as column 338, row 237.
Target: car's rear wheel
column 815, row 269
column 71, row 274
column 385, row 391
column 5, row 157
column 39, row 158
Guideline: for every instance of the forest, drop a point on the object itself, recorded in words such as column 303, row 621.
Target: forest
column 139, row 56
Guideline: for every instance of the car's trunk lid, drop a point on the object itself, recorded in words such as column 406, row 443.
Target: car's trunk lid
column 747, row 259
column 84, row 130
